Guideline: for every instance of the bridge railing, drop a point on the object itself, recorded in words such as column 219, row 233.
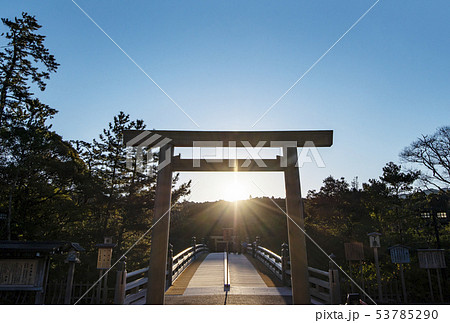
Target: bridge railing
column 182, row 260
column 324, row 285
column 271, row 260
column 131, row 288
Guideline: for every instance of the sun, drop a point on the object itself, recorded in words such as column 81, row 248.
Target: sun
column 234, row 191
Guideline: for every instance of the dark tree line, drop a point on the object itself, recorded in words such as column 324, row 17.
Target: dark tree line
column 402, row 205
column 404, row 214
column 54, row 189
column 389, row 205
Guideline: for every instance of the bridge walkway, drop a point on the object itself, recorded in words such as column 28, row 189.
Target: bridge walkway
column 206, row 284
column 242, row 272
column 210, row 273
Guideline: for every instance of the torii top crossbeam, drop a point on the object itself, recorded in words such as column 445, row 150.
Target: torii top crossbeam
column 320, row 138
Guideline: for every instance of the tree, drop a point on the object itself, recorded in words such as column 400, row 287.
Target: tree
column 336, row 208
column 376, row 201
column 398, row 217
column 19, row 66
column 122, row 207
column 398, row 181
column 123, row 188
column 39, row 170
column 432, row 152
column 53, row 189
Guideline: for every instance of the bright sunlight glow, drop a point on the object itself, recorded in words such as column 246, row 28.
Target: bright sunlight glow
column 235, row 191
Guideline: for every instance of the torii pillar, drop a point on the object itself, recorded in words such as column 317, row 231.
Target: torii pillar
column 160, row 234
column 297, row 241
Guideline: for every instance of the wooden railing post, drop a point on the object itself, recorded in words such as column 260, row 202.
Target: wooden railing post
column 285, row 263
column 72, row 259
column 254, row 249
column 335, row 284
column 245, row 245
column 170, row 265
column 121, row 283
column 194, row 243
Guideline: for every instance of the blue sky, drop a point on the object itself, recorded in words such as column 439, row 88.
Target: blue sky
column 225, row 62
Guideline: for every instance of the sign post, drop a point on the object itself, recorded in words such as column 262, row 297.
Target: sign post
column 72, row 259
column 25, row 265
column 104, row 262
column 374, row 239
column 354, row 251
column 429, row 259
column 400, row 256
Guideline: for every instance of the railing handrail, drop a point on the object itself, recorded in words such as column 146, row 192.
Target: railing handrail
column 175, row 258
column 278, row 257
column 137, row 272
column 136, row 283
column 270, row 252
column 226, row 279
column 182, row 253
column 318, row 271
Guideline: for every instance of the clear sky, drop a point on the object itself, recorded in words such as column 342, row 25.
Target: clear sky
column 226, row 62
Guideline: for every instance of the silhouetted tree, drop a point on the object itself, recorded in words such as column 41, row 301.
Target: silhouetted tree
column 398, row 217
column 24, row 60
column 397, row 181
column 432, row 152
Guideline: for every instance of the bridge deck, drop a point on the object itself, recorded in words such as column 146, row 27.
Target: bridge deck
column 242, row 272
column 209, row 273
column 247, row 287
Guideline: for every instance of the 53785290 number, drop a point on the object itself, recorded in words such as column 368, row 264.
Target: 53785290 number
column 406, row 314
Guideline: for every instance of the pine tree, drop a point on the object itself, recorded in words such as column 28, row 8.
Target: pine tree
column 19, row 67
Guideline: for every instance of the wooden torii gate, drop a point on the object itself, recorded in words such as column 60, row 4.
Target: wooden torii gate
column 168, row 140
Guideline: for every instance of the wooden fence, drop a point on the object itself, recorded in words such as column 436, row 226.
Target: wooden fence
column 55, row 293
column 391, row 288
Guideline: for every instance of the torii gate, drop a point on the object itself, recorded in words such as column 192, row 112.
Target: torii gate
column 168, row 140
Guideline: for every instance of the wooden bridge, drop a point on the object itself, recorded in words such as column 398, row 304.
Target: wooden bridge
column 254, row 276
